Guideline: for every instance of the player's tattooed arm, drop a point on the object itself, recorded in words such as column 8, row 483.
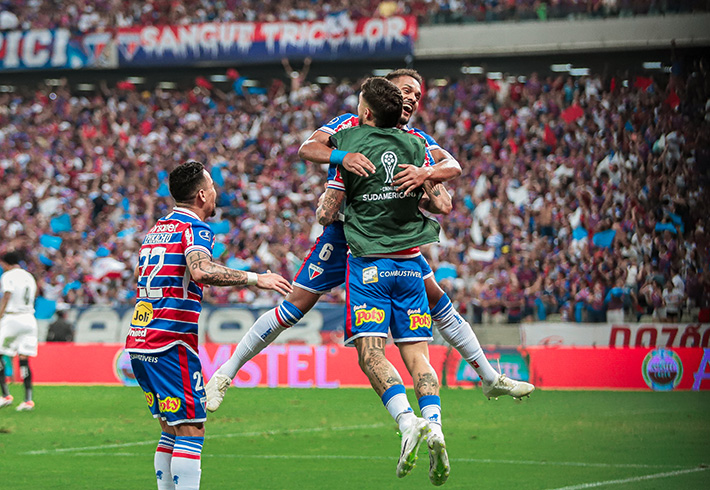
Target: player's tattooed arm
column 317, row 149
column 327, row 211
column 411, row 177
column 437, row 199
column 205, row 271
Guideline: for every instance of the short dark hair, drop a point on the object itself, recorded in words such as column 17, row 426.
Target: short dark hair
column 405, row 72
column 13, row 257
column 384, row 99
column 185, row 181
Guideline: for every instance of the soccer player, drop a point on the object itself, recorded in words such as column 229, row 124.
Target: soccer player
column 324, row 267
column 175, row 261
column 18, row 325
column 385, row 291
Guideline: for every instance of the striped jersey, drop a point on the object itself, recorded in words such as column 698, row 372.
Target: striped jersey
column 350, row 120
column 168, row 300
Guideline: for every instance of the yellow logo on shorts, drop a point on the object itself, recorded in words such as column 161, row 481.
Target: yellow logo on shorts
column 369, row 275
column 418, row 320
column 149, row 398
column 169, row 404
column 142, row 314
column 372, row 315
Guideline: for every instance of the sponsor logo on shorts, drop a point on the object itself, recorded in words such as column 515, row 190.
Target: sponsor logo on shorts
column 369, row 275
column 169, row 404
column 149, row 398
column 314, row 271
column 144, row 358
column 142, row 316
column 417, row 320
column 374, row 315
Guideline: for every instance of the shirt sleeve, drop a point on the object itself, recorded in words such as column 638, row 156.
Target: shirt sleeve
column 339, row 123
column 198, row 236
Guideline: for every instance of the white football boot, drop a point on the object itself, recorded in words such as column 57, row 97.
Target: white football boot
column 412, row 438
column 6, row 401
column 506, row 386
column 438, row 459
column 26, row 406
column 215, row 389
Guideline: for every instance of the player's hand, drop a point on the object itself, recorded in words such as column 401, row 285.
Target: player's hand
column 358, row 164
column 275, row 282
column 411, row 177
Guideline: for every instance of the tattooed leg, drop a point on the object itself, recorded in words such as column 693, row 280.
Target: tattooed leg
column 416, row 357
column 371, row 356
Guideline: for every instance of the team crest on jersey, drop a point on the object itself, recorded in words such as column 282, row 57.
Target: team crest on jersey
column 369, row 275
column 314, row 271
column 142, row 314
column 389, row 161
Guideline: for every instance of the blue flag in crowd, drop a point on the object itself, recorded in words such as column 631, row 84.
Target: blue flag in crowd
column 579, row 233
column 103, row 252
column 61, row 223
column 604, row 238
column 664, row 227
column 50, row 241
column 44, row 308
column 219, row 249
column 220, row 227
column 164, row 190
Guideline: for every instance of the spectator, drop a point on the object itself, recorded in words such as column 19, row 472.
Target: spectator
column 60, row 330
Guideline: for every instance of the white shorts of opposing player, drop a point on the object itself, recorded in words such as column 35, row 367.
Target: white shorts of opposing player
column 18, row 334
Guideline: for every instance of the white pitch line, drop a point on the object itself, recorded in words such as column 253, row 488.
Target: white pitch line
column 631, row 480
column 208, row 436
column 387, row 458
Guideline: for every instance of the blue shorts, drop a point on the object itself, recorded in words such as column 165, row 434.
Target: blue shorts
column 386, row 295
column 172, row 383
column 325, row 266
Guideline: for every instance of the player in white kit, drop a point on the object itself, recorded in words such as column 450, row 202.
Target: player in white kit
column 18, row 326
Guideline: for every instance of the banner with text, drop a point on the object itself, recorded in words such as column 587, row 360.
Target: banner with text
column 42, row 49
column 616, row 335
column 334, row 38
column 285, row 365
column 600, row 368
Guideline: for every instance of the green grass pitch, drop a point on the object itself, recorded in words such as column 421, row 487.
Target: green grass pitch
column 95, row 437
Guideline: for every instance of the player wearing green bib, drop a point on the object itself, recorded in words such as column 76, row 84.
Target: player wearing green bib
column 384, row 286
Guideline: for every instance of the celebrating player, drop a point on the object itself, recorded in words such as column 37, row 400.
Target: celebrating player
column 18, row 325
column 175, row 261
column 385, row 291
column 324, row 267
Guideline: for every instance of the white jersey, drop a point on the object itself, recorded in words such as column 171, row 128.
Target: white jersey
column 23, row 287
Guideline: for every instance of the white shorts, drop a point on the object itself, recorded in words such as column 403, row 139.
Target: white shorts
column 18, row 334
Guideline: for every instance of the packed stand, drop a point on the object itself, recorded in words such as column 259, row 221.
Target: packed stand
column 580, row 199
column 82, row 16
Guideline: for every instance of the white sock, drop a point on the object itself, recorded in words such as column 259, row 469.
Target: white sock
column 430, row 406
column 396, row 402
column 457, row 332
column 260, row 335
column 163, row 457
column 185, row 465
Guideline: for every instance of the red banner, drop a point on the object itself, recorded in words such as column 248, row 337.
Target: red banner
column 612, row 368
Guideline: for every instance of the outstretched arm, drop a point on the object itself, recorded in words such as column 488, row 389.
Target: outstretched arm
column 446, row 167
column 317, row 149
column 437, row 199
column 205, row 271
column 329, row 206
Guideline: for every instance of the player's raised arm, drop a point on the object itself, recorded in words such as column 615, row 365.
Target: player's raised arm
column 437, row 199
column 317, row 149
column 329, row 206
column 445, row 167
column 205, row 271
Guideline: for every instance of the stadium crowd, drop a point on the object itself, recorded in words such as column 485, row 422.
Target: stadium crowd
column 580, row 197
column 82, row 16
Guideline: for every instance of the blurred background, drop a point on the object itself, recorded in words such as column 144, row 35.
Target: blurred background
column 581, row 127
